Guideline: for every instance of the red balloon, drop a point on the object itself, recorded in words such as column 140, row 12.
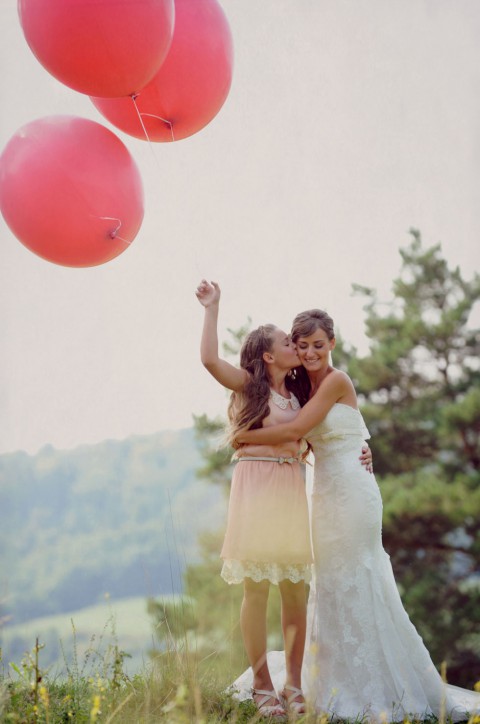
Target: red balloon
column 192, row 84
column 99, row 47
column 70, row 191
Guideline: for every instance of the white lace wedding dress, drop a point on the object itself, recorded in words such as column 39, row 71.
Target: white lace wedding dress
column 364, row 657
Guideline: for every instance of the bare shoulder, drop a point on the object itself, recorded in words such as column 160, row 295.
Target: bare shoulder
column 344, row 386
column 338, row 378
column 336, row 385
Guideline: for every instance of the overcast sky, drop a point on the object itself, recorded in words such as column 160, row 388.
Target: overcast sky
column 348, row 122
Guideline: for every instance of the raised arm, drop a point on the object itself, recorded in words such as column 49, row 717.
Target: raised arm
column 335, row 387
column 234, row 378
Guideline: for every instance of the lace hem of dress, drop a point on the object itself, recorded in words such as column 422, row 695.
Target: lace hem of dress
column 234, row 571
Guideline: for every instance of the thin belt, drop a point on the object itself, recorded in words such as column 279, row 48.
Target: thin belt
column 290, row 461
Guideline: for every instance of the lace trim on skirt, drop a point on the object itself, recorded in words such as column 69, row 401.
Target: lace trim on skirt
column 235, row 571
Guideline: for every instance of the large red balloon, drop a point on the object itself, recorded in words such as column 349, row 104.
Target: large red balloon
column 192, row 84
column 70, row 191
column 99, row 47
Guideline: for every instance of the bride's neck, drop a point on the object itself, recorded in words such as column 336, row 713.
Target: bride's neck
column 316, row 378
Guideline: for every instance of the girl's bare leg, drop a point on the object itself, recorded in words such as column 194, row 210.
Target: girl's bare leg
column 253, row 623
column 294, row 624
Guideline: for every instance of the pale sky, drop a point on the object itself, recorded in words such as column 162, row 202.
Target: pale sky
column 348, row 122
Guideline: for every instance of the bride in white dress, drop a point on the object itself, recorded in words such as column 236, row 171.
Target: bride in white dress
column 364, row 657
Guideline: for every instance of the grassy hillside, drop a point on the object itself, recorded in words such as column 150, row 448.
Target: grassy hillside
column 118, row 518
column 85, row 636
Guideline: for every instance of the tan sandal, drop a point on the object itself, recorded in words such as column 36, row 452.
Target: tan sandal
column 296, row 707
column 274, row 712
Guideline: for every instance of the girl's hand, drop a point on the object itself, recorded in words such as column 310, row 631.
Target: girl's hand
column 208, row 293
column 366, row 458
column 233, row 378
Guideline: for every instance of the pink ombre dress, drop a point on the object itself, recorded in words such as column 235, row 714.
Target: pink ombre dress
column 268, row 532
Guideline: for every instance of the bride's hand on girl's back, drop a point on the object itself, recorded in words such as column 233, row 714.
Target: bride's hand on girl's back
column 366, row 458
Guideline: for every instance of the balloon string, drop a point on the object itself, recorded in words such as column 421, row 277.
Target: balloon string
column 151, row 115
column 113, row 234
column 134, row 99
column 169, row 123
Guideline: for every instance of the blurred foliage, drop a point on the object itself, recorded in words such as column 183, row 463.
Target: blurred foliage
column 419, row 393
column 215, row 453
column 108, row 518
column 420, row 383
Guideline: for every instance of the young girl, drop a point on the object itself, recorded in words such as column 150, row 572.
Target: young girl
column 268, row 537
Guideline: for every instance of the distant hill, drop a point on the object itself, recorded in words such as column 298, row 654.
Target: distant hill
column 83, row 639
column 118, row 518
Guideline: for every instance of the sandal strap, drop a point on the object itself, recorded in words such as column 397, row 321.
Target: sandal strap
column 264, row 691
column 267, row 695
column 295, row 691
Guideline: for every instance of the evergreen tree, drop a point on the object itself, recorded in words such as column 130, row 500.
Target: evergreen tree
column 421, row 379
column 420, row 394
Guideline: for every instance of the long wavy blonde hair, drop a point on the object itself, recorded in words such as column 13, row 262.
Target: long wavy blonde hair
column 248, row 408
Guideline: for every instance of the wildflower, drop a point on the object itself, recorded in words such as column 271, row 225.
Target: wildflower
column 44, row 696
column 95, row 711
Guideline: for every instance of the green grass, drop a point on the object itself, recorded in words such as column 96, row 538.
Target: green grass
column 93, row 684
column 171, row 689
column 128, row 617
column 176, row 688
